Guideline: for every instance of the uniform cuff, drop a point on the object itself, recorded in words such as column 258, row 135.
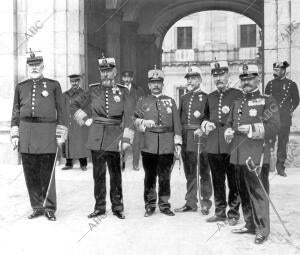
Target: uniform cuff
column 14, row 132
column 80, row 116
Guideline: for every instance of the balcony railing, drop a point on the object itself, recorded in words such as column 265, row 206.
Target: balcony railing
column 207, row 55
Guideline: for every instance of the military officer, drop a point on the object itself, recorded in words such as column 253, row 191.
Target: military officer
column 135, row 93
column 286, row 93
column 74, row 147
column 216, row 113
column 110, row 132
column 191, row 111
column 37, row 128
column 253, row 123
column 156, row 116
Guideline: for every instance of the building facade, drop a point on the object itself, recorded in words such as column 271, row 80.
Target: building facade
column 72, row 34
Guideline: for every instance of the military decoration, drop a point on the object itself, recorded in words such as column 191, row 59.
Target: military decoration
column 169, row 110
column 253, row 112
column 197, row 114
column 45, row 92
column 117, row 99
column 225, row 109
column 200, row 97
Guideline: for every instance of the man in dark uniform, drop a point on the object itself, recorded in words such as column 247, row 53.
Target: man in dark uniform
column 156, row 116
column 253, row 123
column 216, row 114
column 37, row 128
column 110, row 109
column 191, row 111
column 135, row 93
column 74, row 147
column 286, row 94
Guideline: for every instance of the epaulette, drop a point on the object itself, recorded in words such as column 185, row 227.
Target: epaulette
column 120, row 85
column 22, row 82
column 94, row 84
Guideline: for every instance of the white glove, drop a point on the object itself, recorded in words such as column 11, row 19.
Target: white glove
column 198, row 132
column 89, row 122
column 15, row 143
column 148, row 123
column 209, row 126
column 177, row 150
column 59, row 141
column 229, row 134
column 125, row 146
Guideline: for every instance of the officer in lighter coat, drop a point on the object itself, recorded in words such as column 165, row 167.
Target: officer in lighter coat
column 75, row 145
column 156, row 116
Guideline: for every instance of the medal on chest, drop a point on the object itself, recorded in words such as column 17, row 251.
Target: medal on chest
column 252, row 112
column 45, row 93
column 225, row 109
column 196, row 114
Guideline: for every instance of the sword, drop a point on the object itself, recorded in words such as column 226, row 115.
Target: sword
column 52, row 174
column 253, row 168
column 122, row 156
column 198, row 169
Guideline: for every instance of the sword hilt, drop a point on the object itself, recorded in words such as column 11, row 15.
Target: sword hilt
column 251, row 165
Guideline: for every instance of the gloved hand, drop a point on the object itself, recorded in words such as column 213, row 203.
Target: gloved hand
column 124, row 145
column 229, row 134
column 15, row 143
column 177, row 150
column 209, row 126
column 89, row 122
column 148, row 123
column 198, row 132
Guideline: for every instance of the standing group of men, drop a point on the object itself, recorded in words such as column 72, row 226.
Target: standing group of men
column 214, row 133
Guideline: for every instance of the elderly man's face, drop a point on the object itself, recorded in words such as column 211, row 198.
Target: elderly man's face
column 107, row 76
column 221, row 80
column 35, row 71
column 279, row 72
column 249, row 84
column 193, row 82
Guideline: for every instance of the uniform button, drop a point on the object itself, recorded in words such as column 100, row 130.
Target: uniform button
column 32, row 103
column 32, row 108
column 33, row 99
column 33, row 94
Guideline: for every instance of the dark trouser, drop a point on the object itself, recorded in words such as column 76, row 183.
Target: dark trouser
column 157, row 165
column 136, row 149
column 220, row 169
column 112, row 159
column 255, row 204
column 37, row 171
column 190, row 169
column 283, row 139
column 82, row 161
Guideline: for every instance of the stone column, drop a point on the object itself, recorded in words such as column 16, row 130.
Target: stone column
column 270, row 38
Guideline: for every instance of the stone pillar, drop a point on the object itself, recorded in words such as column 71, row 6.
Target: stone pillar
column 148, row 55
column 270, row 38
column 129, row 46
column 7, row 78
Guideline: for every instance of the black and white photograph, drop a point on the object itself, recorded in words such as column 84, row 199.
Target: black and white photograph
column 149, row 127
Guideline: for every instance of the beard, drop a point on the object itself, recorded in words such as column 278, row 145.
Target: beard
column 35, row 75
column 106, row 82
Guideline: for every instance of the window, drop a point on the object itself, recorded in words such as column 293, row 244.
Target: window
column 184, row 37
column 248, row 36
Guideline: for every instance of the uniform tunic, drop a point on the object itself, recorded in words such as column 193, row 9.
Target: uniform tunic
column 37, row 110
column 191, row 111
column 75, row 145
column 257, row 110
column 158, row 146
column 217, row 111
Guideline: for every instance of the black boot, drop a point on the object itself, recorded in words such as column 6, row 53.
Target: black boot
column 37, row 212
